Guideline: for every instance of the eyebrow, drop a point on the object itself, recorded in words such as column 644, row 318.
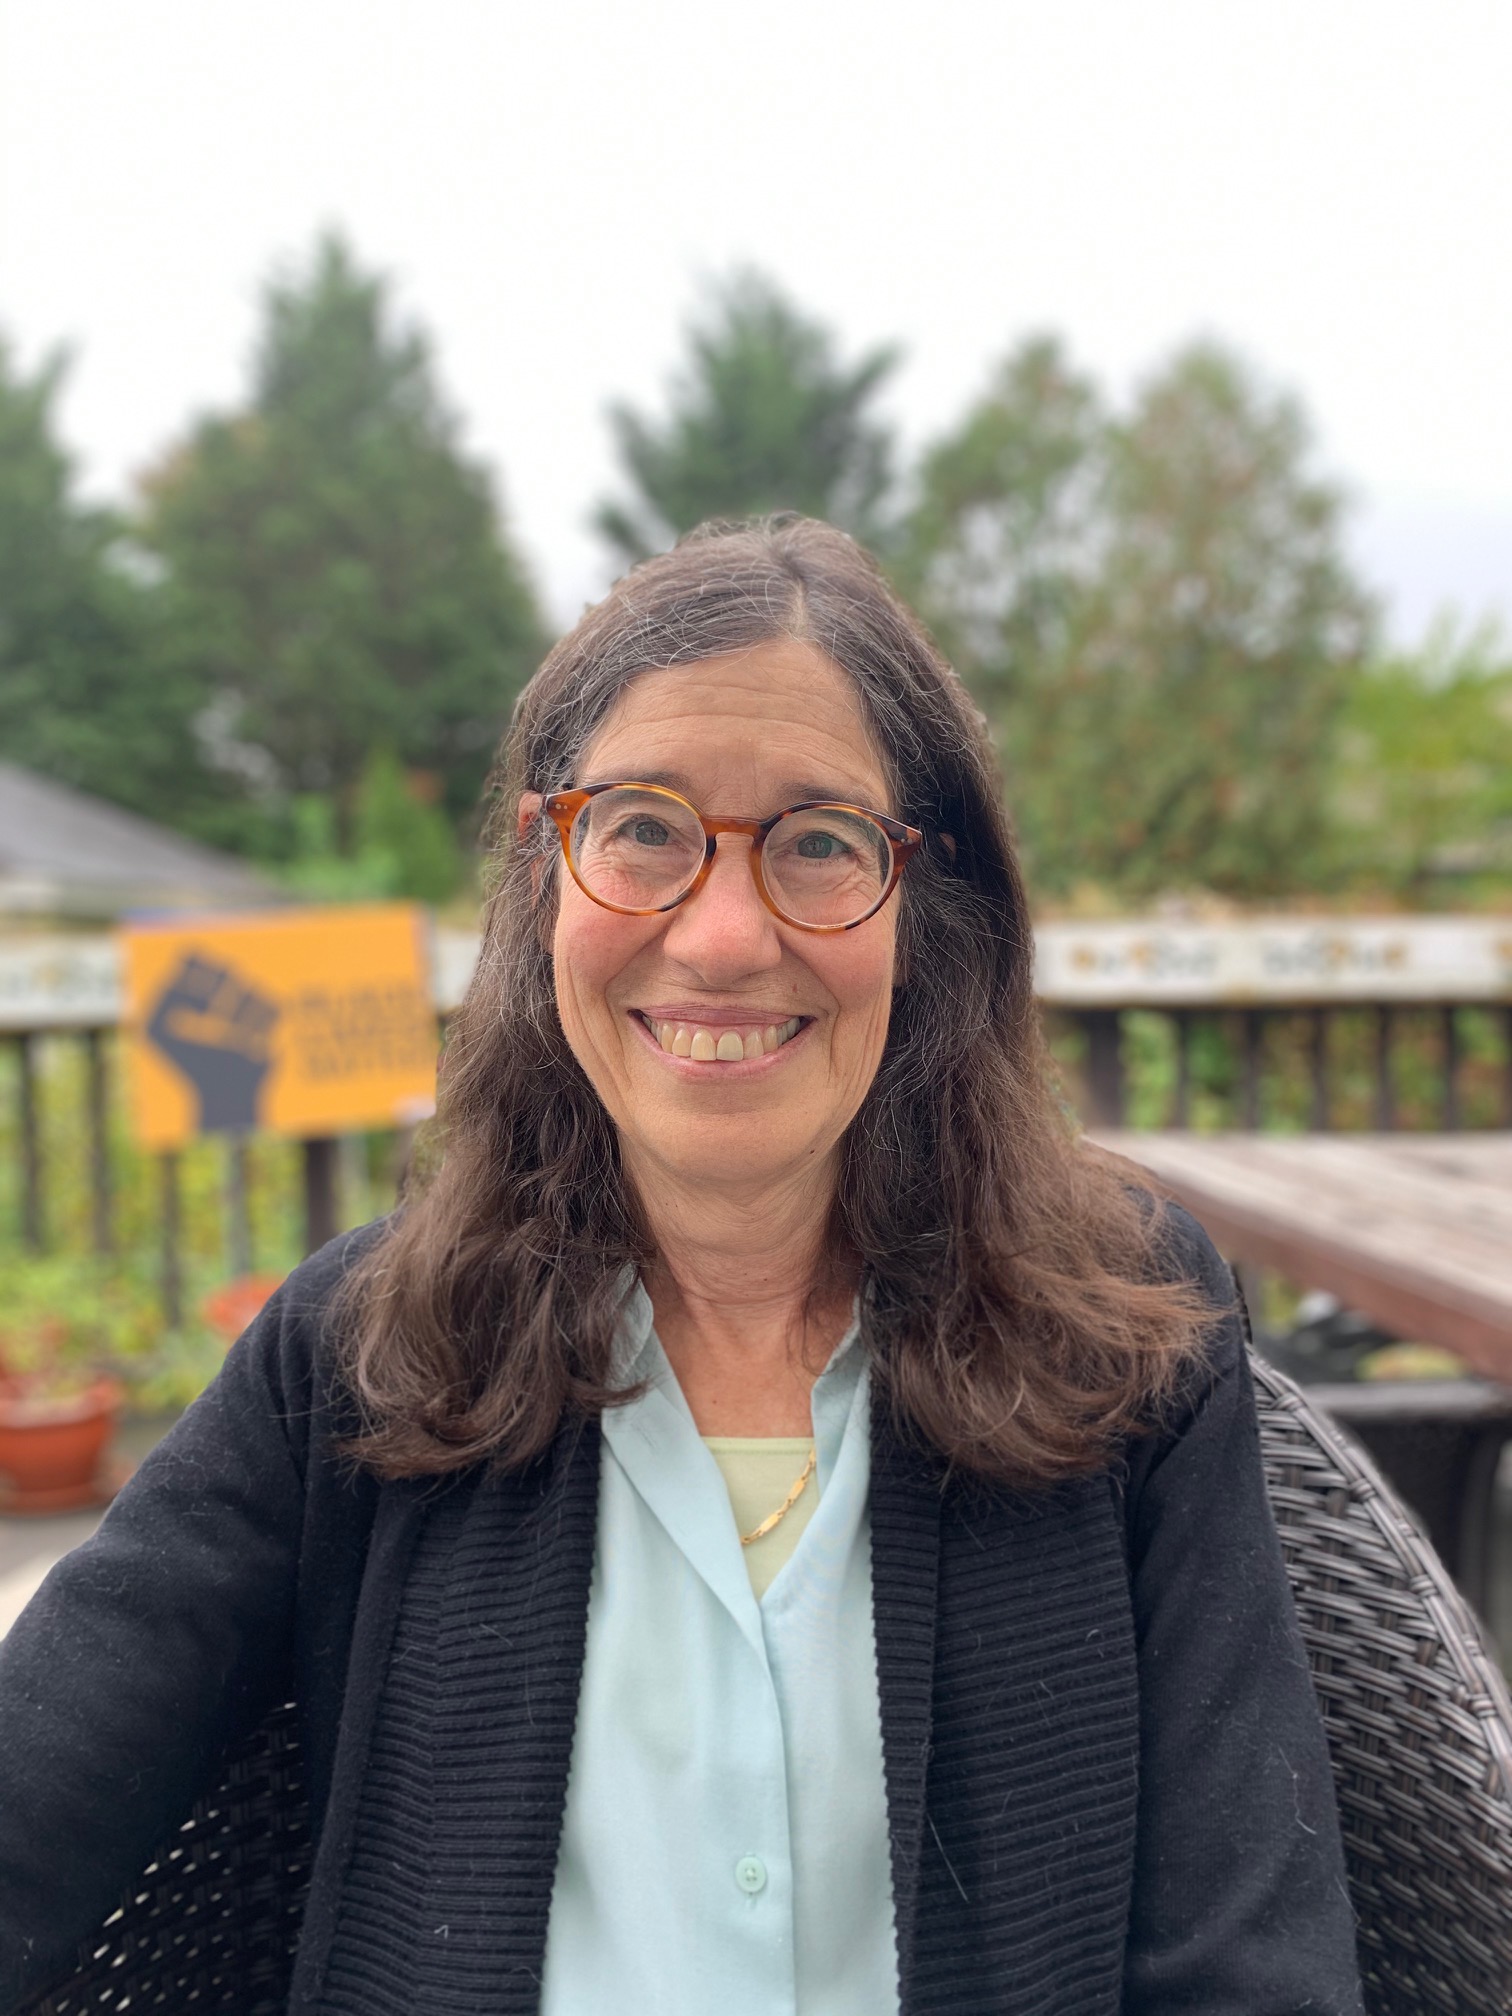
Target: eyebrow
column 791, row 791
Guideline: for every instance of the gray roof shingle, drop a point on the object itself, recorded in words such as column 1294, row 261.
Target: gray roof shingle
column 63, row 853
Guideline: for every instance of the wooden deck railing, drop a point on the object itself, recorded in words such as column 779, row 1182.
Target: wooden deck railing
column 1432, row 993
column 1308, row 1023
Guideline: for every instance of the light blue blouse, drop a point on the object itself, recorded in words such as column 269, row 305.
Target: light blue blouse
column 724, row 1850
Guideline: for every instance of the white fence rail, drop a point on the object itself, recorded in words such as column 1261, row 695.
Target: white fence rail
column 73, row 982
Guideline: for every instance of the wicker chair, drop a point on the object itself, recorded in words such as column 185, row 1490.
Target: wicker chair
column 1419, row 1722
column 1419, row 1727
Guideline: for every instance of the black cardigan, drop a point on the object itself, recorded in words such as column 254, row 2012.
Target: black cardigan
column 1107, row 1783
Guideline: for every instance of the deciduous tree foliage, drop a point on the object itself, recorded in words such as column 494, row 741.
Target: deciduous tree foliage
column 337, row 563
column 1424, row 783
column 1157, row 614
column 763, row 417
column 400, row 844
column 85, row 694
column 1005, row 537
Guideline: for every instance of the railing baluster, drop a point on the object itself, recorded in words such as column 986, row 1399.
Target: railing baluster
column 238, row 1207
column 1253, row 1022
column 320, row 1164
column 1450, row 1046
column 172, row 1276
column 1317, row 1064
column 1105, row 1078
column 1385, row 1089
column 1183, row 1019
column 33, row 1222
column 401, row 1157
column 97, row 1095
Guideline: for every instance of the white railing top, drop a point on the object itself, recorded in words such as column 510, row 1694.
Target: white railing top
column 1134, row 963
column 74, row 981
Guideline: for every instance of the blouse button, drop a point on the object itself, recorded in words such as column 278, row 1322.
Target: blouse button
column 750, row 1874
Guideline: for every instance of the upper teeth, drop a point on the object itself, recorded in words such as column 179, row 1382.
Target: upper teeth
column 723, row 1046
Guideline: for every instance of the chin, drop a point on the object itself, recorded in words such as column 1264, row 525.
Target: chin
column 732, row 1153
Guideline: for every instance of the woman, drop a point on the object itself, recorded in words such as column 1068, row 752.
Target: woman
column 772, row 1524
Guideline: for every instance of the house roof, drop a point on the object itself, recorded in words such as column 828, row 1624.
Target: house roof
column 66, row 854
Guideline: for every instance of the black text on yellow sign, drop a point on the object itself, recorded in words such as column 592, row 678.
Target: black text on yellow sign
column 297, row 1022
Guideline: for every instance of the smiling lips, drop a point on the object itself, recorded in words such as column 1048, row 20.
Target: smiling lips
column 721, row 1046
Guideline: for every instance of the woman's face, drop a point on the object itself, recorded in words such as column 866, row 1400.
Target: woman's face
column 745, row 735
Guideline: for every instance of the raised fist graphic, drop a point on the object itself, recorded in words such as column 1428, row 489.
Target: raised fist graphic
column 216, row 1030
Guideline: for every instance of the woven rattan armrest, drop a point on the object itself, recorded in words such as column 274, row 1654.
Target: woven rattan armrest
column 211, row 1924
column 1418, row 1718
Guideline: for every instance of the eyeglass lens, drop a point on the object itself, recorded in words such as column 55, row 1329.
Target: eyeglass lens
column 639, row 851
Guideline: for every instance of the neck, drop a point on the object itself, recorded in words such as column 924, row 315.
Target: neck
column 731, row 1286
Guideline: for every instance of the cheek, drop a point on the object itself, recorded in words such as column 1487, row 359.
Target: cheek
column 590, row 949
column 861, row 981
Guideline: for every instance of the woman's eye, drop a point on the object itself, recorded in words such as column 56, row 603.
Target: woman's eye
column 819, row 847
column 647, row 832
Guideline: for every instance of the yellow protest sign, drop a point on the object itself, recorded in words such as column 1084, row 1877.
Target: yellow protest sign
column 301, row 1022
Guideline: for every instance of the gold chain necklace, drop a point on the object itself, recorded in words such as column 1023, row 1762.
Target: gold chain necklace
column 776, row 1518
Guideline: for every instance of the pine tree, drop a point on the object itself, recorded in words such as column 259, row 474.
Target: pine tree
column 338, row 565
column 86, row 693
column 762, row 417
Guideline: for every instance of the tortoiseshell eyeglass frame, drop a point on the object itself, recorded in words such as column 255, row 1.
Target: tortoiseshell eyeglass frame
column 563, row 807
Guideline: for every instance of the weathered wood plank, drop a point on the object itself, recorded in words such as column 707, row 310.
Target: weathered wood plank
column 1477, row 1158
column 1408, row 1217
column 1452, row 1198
column 1419, row 1240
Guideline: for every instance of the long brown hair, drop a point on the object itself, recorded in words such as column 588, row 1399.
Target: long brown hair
column 1015, row 1305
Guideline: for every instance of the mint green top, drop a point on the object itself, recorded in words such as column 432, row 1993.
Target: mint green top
column 758, row 1473
column 725, row 1847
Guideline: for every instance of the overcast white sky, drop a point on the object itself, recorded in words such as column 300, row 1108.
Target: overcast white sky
column 1326, row 184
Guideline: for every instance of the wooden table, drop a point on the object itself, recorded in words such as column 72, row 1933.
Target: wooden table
column 1415, row 1231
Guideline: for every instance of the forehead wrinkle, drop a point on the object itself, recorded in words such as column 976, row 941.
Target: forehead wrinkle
column 809, row 711
column 790, row 791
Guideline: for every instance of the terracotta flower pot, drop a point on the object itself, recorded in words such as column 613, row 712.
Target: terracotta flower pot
column 231, row 1307
column 51, row 1451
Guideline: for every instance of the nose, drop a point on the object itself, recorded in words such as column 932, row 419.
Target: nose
column 725, row 929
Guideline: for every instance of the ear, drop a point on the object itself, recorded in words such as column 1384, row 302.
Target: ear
column 530, row 811
column 947, row 841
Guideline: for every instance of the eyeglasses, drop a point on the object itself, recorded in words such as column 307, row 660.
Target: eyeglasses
column 640, row 849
